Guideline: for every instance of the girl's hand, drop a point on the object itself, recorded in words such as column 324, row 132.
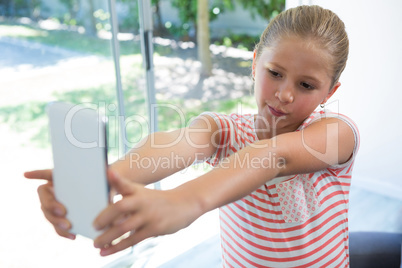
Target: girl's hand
column 54, row 211
column 142, row 213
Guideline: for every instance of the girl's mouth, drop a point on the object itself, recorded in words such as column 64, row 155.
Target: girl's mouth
column 275, row 112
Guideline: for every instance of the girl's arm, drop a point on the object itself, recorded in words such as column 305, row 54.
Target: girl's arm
column 164, row 153
column 147, row 213
column 320, row 145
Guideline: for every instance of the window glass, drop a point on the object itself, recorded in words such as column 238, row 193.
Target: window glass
column 57, row 51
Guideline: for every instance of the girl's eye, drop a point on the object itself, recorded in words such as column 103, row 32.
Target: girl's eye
column 306, row 85
column 275, row 74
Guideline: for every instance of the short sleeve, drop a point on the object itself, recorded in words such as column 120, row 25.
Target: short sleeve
column 318, row 115
column 225, row 130
column 356, row 134
column 235, row 132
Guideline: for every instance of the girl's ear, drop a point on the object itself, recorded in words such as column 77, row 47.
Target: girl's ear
column 331, row 92
column 254, row 62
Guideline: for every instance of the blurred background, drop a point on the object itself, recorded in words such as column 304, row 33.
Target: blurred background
column 63, row 50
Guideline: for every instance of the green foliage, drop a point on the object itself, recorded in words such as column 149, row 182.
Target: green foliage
column 71, row 5
column 26, row 8
column 68, row 20
column 218, row 7
column 266, row 9
column 130, row 22
column 241, row 41
column 102, row 20
column 188, row 9
column 227, row 41
column 188, row 13
column 177, row 31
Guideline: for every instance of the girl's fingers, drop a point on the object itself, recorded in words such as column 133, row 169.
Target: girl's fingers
column 123, row 207
column 133, row 239
column 120, row 228
column 49, row 203
column 64, row 233
column 114, row 212
column 125, row 243
column 53, row 211
column 126, row 217
column 58, row 222
column 44, row 174
column 119, row 184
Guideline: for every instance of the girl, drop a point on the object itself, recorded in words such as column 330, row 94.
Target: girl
column 281, row 176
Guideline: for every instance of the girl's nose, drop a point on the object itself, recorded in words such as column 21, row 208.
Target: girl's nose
column 285, row 94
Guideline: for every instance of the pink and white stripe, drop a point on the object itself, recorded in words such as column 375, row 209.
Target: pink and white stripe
column 300, row 221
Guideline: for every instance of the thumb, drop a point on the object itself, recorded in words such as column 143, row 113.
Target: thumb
column 119, row 184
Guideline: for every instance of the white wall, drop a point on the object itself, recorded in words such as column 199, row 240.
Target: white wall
column 371, row 89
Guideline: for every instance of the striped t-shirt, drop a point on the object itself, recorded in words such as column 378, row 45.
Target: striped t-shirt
column 297, row 221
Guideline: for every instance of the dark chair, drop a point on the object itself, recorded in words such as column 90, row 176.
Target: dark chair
column 375, row 250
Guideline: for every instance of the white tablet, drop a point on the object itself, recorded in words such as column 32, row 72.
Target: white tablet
column 78, row 137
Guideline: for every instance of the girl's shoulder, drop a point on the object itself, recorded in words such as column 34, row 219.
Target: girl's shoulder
column 319, row 115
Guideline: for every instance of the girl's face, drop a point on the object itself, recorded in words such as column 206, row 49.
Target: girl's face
column 291, row 79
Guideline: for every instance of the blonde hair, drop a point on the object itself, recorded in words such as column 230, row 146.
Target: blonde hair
column 311, row 23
